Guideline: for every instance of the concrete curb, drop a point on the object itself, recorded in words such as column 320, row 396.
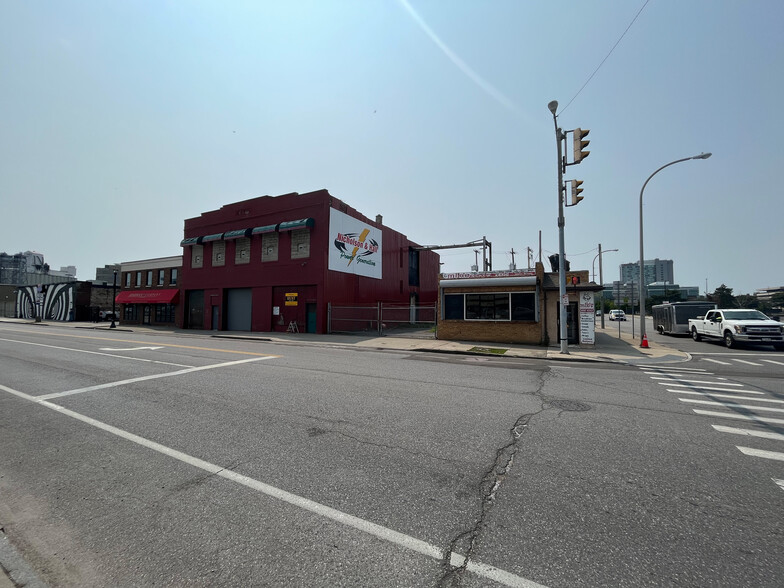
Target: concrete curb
column 14, row 571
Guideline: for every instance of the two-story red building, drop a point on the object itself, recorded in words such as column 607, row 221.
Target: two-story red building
column 273, row 263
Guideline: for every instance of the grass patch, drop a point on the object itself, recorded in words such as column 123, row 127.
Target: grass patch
column 491, row 350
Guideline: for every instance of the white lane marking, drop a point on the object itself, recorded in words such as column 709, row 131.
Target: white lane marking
column 379, row 531
column 716, row 361
column 151, row 377
column 731, row 404
column 697, row 381
column 777, row 455
column 748, row 362
column 95, row 353
column 730, row 396
column 734, row 415
column 676, row 374
column 779, row 482
column 690, row 387
column 773, row 361
column 674, row 368
column 129, row 348
column 749, row 432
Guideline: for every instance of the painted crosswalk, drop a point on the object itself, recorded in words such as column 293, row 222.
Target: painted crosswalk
column 752, row 360
column 759, row 415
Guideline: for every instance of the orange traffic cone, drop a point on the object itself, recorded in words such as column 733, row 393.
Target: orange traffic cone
column 644, row 343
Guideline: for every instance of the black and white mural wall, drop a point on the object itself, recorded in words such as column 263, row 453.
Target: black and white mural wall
column 50, row 302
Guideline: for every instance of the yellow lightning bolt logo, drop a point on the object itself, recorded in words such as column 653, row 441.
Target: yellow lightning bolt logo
column 361, row 239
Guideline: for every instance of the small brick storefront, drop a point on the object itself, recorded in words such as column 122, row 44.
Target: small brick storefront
column 515, row 306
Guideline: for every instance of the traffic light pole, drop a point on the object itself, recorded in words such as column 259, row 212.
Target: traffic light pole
column 563, row 336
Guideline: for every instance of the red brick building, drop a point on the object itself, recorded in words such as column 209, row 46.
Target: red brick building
column 149, row 291
column 270, row 263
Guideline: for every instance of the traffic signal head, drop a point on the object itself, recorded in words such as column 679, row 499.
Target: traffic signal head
column 576, row 189
column 580, row 143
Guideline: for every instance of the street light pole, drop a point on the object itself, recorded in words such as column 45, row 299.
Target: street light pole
column 601, row 278
column 114, row 295
column 562, row 300
column 642, row 255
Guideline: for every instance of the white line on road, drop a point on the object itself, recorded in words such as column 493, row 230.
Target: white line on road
column 129, row 348
column 773, row 361
column 716, row 361
column 95, row 353
column 777, row 455
column 690, row 387
column 748, row 362
column 379, row 531
column 735, row 415
column 730, row 396
column 749, row 432
column 695, row 371
column 779, row 482
column 675, row 374
column 731, row 404
column 151, row 377
column 697, row 381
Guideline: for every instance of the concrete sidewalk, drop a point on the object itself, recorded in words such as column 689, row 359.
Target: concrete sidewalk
column 609, row 347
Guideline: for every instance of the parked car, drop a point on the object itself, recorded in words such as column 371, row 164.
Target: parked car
column 107, row 315
column 617, row 315
column 599, row 312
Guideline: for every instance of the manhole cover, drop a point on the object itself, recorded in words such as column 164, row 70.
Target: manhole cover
column 572, row 405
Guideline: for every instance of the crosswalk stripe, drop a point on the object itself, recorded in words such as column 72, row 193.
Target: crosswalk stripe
column 747, row 362
column 690, row 387
column 730, row 396
column 731, row 405
column 749, row 432
column 734, row 415
column 777, row 455
column 773, row 361
column 715, row 361
column 697, row 381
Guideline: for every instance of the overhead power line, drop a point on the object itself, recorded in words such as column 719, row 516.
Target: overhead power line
column 605, row 59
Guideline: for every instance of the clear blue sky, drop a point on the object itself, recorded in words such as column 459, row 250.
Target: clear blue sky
column 118, row 120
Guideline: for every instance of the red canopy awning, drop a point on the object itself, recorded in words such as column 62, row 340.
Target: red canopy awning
column 162, row 296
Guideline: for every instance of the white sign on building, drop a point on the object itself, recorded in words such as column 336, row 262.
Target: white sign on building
column 355, row 247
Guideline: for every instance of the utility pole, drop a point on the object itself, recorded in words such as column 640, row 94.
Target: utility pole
column 530, row 254
column 513, row 263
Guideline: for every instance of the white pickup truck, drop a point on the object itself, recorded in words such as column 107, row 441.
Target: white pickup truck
column 735, row 326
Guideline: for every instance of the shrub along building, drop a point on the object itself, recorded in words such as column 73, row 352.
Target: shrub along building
column 279, row 263
column 516, row 306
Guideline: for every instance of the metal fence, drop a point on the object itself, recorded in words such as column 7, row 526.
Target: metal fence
column 383, row 319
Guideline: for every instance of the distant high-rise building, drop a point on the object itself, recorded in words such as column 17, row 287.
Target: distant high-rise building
column 656, row 270
column 29, row 268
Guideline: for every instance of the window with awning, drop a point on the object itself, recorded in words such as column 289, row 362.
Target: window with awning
column 303, row 223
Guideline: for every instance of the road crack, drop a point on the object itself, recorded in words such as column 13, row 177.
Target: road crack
column 462, row 548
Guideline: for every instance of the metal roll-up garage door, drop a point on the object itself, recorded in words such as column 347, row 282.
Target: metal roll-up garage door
column 238, row 306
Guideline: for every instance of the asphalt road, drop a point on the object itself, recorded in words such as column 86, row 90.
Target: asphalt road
column 138, row 460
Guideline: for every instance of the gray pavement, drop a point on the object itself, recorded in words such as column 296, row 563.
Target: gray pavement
column 610, row 347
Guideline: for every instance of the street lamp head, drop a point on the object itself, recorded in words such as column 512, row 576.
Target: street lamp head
column 702, row 156
column 553, row 106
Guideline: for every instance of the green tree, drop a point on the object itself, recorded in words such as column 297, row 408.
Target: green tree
column 747, row 301
column 723, row 297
